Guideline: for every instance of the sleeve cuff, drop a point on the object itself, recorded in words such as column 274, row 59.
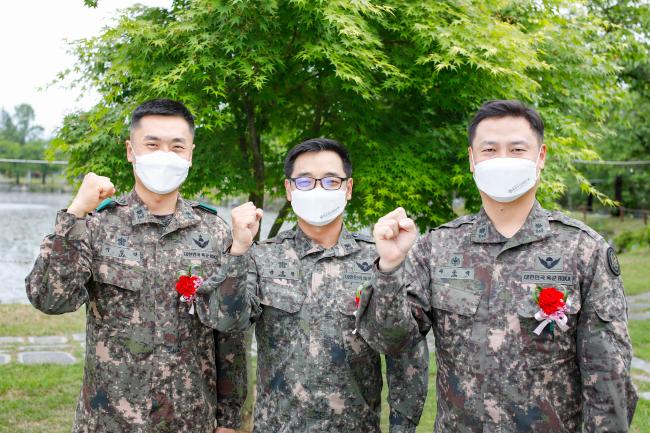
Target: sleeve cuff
column 401, row 424
column 236, row 266
column 68, row 224
column 229, row 418
column 388, row 280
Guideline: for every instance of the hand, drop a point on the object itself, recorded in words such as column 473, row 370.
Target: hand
column 224, row 430
column 394, row 236
column 92, row 191
column 245, row 224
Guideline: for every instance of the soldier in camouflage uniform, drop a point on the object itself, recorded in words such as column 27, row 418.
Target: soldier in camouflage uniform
column 315, row 373
column 150, row 365
column 474, row 280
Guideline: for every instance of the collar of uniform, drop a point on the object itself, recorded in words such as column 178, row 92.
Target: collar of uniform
column 484, row 231
column 304, row 245
column 536, row 227
column 183, row 215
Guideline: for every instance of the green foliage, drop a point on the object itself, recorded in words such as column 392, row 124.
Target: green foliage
column 626, row 25
column 632, row 239
column 19, row 128
column 20, row 138
column 396, row 81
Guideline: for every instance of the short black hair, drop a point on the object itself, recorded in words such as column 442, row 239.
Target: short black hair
column 506, row 108
column 162, row 107
column 317, row 145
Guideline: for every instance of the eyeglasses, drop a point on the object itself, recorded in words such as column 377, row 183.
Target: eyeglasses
column 329, row 183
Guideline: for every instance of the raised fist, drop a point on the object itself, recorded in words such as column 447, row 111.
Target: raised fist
column 245, row 224
column 92, row 191
column 394, row 236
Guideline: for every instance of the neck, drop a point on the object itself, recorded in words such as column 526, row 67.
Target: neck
column 508, row 218
column 326, row 236
column 158, row 204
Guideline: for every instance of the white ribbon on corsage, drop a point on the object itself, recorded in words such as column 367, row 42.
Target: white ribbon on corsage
column 557, row 317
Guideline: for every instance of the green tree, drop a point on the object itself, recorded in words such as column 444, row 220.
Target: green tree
column 626, row 24
column 20, row 138
column 19, row 127
column 393, row 80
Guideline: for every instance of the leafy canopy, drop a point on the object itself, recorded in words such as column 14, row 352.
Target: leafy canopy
column 395, row 81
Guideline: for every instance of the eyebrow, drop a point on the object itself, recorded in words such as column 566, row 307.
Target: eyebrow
column 155, row 138
column 510, row 143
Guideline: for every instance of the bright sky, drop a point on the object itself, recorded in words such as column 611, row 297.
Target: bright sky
column 34, row 50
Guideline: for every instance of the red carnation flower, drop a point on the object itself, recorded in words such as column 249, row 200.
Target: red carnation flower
column 550, row 300
column 186, row 285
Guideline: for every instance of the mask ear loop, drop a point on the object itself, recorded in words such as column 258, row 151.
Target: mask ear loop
column 471, row 155
column 135, row 156
column 538, row 174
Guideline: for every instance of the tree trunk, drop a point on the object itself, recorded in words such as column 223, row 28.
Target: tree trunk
column 590, row 203
column 279, row 220
column 618, row 192
column 256, row 196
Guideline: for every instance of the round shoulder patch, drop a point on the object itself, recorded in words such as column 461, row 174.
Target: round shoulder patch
column 612, row 261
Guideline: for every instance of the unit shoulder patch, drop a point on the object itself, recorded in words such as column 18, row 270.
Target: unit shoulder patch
column 612, row 262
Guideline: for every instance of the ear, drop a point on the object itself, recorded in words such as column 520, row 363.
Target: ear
column 542, row 157
column 470, row 155
column 348, row 194
column 192, row 153
column 287, row 187
column 129, row 151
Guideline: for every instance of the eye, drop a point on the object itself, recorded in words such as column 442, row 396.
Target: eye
column 151, row 145
column 487, row 149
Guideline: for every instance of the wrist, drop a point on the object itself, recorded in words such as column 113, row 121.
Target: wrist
column 238, row 249
column 76, row 210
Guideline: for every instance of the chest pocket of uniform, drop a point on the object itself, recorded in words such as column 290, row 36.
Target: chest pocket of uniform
column 280, row 289
column 549, row 348
column 455, row 307
column 117, row 293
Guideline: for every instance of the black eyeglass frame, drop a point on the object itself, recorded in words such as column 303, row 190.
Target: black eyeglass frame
column 318, row 181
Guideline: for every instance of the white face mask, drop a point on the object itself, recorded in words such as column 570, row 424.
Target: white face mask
column 161, row 172
column 318, row 206
column 505, row 179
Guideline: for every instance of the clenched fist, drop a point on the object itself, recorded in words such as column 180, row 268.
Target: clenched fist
column 92, row 191
column 245, row 224
column 394, row 236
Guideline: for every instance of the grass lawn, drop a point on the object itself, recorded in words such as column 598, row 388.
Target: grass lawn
column 24, row 320
column 635, row 271
column 38, row 398
column 640, row 335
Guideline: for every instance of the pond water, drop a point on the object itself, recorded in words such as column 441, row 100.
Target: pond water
column 25, row 218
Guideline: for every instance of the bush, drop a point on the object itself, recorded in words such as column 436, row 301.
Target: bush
column 629, row 240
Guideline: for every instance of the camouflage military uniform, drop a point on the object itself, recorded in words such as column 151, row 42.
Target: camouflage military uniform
column 150, row 365
column 476, row 288
column 315, row 374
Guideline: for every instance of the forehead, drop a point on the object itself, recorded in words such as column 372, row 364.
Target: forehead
column 162, row 126
column 504, row 130
column 318, row 163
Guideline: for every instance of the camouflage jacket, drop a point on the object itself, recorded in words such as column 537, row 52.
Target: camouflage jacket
column 315, row 373
column 475, row 289
column 150, row 366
